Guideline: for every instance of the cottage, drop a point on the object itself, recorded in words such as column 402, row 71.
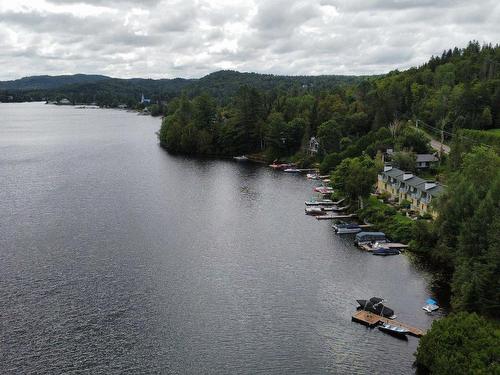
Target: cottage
column 313, row 146
column 406, row 186
column 64, row 101
column 145, row 100
column 425, row 161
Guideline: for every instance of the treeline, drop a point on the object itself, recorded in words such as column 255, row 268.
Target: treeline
column 460, row 89
column 111, row 92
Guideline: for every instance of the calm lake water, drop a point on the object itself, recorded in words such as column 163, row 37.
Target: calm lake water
column 116, row 257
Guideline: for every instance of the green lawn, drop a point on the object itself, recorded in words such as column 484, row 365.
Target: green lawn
column 494, row 131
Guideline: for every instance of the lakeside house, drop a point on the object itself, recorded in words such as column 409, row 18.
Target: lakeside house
column 406, row 186
column 422, row 161
column 426, row 161
column 145, row 100
column 313, row 146
column 64, row 101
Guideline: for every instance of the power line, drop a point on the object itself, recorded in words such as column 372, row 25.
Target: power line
column 451, row 134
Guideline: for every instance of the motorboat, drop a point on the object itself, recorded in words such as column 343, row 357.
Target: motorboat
column 321, row 202
column 376, row 306
column 367, row 237
column 323, row 189
column 240, row 158
column 314, row 210
column 292, row 170
column 394, row 330
column 384, row 251
column 430, row 306
column 312, row 176
column 344, row 228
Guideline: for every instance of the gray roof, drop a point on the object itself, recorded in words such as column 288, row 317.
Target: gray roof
column 426, row 158
column 436, row 190
column 414, row 181
column 394, row 172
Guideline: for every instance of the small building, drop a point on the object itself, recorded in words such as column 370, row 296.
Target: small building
column 145, row 100
column 425, row 161
column 313, row 146
column 406, row 186
column 64, row 101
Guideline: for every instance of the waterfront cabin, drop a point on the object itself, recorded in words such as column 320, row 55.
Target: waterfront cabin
column 425, row 161
column 368, row 237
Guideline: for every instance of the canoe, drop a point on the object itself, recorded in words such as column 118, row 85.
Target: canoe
column 394, row 330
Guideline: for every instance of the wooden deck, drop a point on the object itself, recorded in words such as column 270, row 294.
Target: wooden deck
column 370, row 319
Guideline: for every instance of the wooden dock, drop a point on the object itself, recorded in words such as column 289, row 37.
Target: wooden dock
column 333, row 217
column 371, row 320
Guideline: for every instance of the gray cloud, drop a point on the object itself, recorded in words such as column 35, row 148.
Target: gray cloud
column 168, row 38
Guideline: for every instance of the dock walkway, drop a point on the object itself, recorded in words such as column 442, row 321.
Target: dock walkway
column 370, row 319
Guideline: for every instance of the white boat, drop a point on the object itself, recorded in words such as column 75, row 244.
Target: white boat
column 240, row 158
column 344, row 228
column 314, row 210
column 321, row 202
column 292, row 170
column 312, row 176
column 431, row 305
column 430, row 308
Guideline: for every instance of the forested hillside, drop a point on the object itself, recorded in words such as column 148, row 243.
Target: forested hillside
column 49, row 82
column 460, row 89
column 106, row 91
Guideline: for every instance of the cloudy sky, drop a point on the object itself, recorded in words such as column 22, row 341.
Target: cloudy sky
column 190, row 38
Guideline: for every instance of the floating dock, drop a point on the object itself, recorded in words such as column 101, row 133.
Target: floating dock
column 371, row 320
column 333, row 217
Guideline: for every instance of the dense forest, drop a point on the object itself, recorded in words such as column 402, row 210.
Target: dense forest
column 456, row 96
column 111, row 92
column 459, row 90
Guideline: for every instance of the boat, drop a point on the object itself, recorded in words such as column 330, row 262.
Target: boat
column 321, row 202
column 394, row 330
column 344, row 228
column 314, row 210
column 312, row 176
column 384, row 251
column 431, row 305
column 281, row 166
column 323, row 189
column 291, row 170
column 376, row 306
column 363, row 238
column 240, row 158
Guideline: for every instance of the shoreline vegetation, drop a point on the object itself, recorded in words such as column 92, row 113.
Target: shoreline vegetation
column 348, row 128
column 457, row 98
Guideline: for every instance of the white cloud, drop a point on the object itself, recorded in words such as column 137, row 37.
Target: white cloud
column 170, row 38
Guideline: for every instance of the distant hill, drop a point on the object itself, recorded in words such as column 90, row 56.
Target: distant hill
column 46, row 82
column 222, row 85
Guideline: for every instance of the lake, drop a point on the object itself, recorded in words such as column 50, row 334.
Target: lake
column 117, row 257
